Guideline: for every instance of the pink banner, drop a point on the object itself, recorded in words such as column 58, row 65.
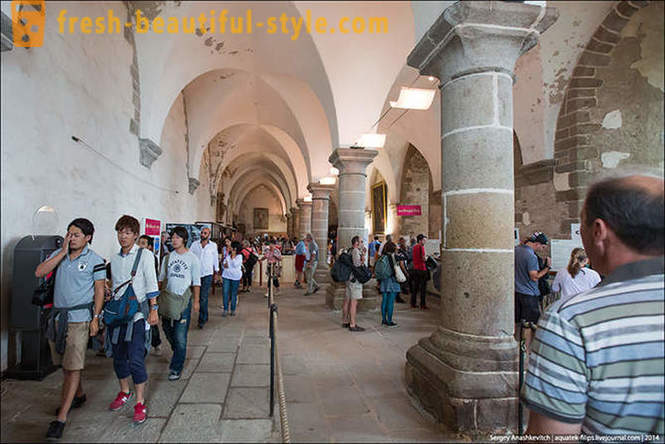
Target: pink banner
column 409, row 210
column 152, row 227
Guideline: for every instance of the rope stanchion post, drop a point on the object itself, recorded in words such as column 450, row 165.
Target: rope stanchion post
column 275, row 367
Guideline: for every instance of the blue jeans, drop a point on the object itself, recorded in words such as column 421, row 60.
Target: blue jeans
column 387, row 304
column 206, row 283
column 176, row 333
column 129, row 357
column 230, row 291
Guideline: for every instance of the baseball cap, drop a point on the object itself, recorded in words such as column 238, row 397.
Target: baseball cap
column 539, row 237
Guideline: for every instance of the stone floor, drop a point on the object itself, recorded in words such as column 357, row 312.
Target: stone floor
column 340, row 386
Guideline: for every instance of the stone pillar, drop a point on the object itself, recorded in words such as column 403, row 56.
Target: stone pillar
column 294, row 222
column 288, row 225
column 320, row 201
column 304, row 218
column 465, row 373
column 352, row 181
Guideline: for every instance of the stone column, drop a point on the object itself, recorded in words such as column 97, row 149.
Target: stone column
column 352, row 181
column 465, row 373
column 288, row 225
column 320, row 201
column 294, row 222
column 304, row 217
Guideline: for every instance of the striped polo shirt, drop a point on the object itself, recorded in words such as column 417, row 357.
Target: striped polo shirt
column 598, row 357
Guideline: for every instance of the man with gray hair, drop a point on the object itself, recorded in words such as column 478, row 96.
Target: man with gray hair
column 312, row 262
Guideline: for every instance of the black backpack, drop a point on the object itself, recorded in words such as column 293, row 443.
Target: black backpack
column 341, row 269
column 362, row 274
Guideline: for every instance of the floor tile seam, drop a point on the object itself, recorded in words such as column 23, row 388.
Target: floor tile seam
column 175, row 404
column 233, row 370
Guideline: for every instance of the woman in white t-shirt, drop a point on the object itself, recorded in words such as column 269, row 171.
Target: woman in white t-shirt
column 575, row 278
column 231, row 275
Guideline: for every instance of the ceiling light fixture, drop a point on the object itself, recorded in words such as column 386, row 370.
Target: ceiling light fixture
column 414, row 98
column 371, row 140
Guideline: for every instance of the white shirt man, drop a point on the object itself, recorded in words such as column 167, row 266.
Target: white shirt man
column 206, row 251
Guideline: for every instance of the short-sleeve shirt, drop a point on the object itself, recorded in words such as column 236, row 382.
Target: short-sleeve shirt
column 598, row 357
column 145, row 281
column 75, row 282
column 525, row 261
column 584, row 280
column 301, row 250
column 372, row 247
column 184, row 272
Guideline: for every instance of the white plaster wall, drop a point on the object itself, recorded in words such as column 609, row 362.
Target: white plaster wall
column 80, row 85
column 262, row 197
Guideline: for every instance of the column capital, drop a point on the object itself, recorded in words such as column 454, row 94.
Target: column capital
column 294, row 211
column 352, row 160
column 302, row 203
column 480, row 36
column 320, row 191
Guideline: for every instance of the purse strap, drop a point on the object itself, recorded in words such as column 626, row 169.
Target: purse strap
column 166, row 273
column 134, row 268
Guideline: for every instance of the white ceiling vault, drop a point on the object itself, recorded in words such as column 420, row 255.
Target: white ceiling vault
column 268, row 102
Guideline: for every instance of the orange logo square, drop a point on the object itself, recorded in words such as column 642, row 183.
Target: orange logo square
column 28, row 24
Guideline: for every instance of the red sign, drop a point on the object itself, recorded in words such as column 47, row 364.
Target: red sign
column 152, row 227
column 409, row 210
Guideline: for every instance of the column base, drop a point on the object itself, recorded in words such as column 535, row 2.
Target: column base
column 467, row 382
column 336, row 292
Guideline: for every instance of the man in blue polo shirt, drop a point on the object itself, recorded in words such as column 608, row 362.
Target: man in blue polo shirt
column 79, row 280
column 526, row 281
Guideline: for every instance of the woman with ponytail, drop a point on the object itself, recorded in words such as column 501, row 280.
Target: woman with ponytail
column 575, row 278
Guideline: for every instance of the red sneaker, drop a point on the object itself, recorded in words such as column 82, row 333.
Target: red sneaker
column 140, row 413
column 121, row 400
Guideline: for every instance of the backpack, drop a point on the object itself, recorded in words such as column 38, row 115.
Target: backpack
column 122, row 310
column 382, row 268
column 341, row 269
column 362, row 274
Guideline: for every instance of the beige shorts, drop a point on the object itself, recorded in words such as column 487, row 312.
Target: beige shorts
column 78, row 334
column 354, row 290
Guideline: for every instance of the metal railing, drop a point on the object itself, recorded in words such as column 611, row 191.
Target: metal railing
column 275, row 365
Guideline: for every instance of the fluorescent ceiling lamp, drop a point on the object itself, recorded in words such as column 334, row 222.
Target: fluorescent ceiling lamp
column 46, row 209
column 328, row 180
column 414, row 98
column 334, row 171
column 371, row 141
column 542, row 3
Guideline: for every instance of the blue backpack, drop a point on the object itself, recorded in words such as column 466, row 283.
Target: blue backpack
column 122, row 310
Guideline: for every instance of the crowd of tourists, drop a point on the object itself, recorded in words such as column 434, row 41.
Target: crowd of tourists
column 595, row 361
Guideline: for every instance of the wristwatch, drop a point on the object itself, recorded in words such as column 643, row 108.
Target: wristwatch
column 154, row 307
column 98, row 316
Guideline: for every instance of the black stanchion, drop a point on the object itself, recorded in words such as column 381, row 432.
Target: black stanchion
column 273, row 309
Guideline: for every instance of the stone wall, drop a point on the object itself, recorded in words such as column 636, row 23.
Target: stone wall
column 611, row 118
column 610, row 121
column 82, row 85
column 262, row 197
column 415, row 190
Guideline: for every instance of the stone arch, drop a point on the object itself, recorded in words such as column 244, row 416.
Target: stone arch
column 576, row 158
column 416, row 189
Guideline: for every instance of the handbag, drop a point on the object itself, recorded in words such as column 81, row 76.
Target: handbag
column 122, row 310
column 171, row 305
column 43, row 295
column 399, row 274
